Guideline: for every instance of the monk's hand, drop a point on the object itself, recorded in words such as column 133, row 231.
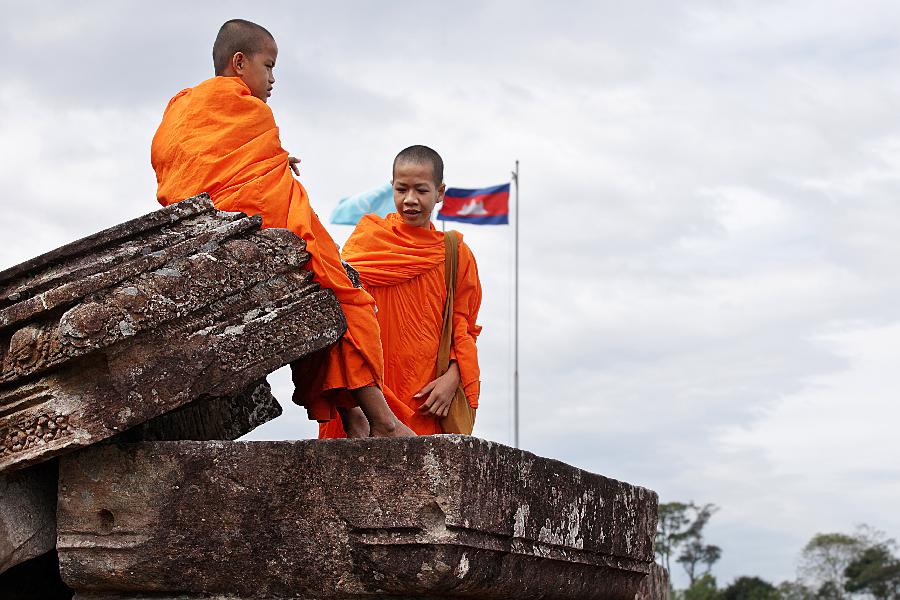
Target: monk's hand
column 439, row 393
column 293, row 162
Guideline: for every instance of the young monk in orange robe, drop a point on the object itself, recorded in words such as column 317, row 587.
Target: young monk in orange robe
column 400, row 260
column 220, row 137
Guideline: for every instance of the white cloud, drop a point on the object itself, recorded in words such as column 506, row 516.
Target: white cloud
column 709, row 214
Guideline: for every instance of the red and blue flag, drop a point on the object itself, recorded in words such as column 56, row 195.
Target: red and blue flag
column 485, row 206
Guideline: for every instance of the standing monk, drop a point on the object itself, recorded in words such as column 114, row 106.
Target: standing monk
column 400, row 260
column 220, row 137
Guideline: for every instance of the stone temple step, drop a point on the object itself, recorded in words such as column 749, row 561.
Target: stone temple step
column 428, row 517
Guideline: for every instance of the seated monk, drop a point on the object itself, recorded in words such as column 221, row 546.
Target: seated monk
column 400, row 260
column 220, row 137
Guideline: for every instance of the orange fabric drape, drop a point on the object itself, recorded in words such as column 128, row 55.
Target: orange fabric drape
column 218, row 138
column 402, row 267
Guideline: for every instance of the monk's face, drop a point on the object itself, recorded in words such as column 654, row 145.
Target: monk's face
column 416, row 193
column 256, row 69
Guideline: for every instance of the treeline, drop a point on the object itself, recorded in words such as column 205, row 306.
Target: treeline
column 833, row 566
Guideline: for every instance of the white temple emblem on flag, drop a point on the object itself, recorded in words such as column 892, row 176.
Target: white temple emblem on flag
column 475, row 207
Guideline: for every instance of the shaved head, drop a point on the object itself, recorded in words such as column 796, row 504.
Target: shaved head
column 238, row 35
column 423, row 155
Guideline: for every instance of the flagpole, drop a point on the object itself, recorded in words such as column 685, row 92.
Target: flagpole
column 515, row 176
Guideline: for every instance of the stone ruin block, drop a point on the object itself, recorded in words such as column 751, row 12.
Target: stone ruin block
column 220, row 418
column 656, row 585
column 28, row 496
column 429, row 517
column 27, row 514
column 111, row 331
column 161, row 328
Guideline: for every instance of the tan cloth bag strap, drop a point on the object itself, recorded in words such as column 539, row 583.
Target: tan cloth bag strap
column 451, row 265
column 461, row 418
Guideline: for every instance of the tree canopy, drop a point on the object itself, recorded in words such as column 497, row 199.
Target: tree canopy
column 833, row 566
column 680, row 528
column 750, row 588
column 875, row 571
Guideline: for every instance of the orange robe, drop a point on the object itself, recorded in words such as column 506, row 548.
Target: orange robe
column 403, row 268
column 218, row 138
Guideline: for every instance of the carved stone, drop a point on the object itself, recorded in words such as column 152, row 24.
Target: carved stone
column 224, row 418
column 27, row 514
column 136, row 321
column 656, row 585
column 28, row 496
column 440, row 516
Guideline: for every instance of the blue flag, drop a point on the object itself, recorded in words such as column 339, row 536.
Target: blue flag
column 351, row 209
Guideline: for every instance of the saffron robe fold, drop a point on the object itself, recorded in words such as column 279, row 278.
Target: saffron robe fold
column 220, row 139
column 402, row 267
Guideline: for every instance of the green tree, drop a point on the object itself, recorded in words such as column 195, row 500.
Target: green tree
column 876, row 571
column 680, row 527
column 750, row 588
column 825, row 558
column 703, row 588
column 671, row 530
column 794, row 590
column 697, row 558
column 838, row 566
column 829, row 591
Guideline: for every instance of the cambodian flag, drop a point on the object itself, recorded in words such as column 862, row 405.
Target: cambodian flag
column 486, row 206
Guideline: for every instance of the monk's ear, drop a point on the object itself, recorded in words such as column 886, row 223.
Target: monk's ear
column 238, row 62
column 441, row 190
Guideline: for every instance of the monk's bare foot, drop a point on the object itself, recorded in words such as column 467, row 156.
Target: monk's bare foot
column 356, row 425
column 382, row 421
column 395, row 429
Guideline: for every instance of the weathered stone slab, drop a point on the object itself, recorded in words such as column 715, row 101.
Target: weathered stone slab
column 111, row 331
column 223, row 418
column 27, row 514
column 439, row 516
column 28, row 496
column 656, row 585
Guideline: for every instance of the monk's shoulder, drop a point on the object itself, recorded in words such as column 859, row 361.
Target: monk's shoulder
column 360, row 241
column 468, row 267
column 464, row 249
column 371, row 221
column 367, row 225
column 174, row 99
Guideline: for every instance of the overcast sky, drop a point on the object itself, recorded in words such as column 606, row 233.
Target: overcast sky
column 710, row 222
